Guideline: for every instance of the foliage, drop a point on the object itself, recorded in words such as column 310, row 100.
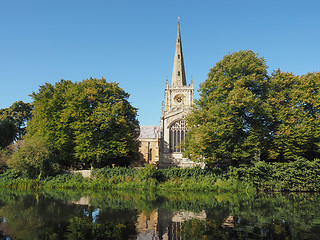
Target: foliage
column 85, row 123
column 295, row 103
column 32, row 158
column 114, row 172
column 12, row 179
column 230, row 120
column 3, row 160
column 185, row 173
column 299, row 175
column 7, row 132
column 19, row 113
column 243, row 115
column 148, row 173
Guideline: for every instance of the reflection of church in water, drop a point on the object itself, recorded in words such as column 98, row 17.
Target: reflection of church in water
column 161, row 145
column 162, row 224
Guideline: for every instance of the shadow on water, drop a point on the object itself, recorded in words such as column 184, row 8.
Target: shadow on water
column 148, row 215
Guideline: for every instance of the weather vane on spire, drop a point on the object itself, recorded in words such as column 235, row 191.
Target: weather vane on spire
column 178, row 20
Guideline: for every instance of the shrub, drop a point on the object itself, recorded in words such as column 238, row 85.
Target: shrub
column 298, row 175
column 114, row 172
column 185, row 173
column 32, row 158
column 148, row 173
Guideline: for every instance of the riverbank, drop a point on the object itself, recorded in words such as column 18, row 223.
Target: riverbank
column 297, row 176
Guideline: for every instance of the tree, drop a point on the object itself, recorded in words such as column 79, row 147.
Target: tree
column 295, row 103
column 231, row 118
column 7, row 132
column 89, row 122
column 49, row 104
column 19, row 113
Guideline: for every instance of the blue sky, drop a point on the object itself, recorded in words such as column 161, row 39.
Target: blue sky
column 132, row 42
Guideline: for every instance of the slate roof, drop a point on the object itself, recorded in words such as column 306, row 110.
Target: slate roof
column 149, row 132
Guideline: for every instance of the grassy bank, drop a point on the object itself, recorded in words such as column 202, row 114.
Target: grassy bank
column 300, row 175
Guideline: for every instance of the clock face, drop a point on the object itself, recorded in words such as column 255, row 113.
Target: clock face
column 178, row 98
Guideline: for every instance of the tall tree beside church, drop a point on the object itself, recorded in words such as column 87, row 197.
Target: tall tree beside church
column 295, row 103
column 89, row 122
column 229, row 120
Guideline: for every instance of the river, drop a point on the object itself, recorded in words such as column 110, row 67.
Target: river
column 146, row 215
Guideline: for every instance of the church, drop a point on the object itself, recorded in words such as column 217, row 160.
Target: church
column 161, row 145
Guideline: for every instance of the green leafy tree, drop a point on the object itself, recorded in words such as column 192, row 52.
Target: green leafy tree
column 231, row 118
column 19, row 113
column 295, row 103
column 89, row 122
column 49, row 104
column 8, row 132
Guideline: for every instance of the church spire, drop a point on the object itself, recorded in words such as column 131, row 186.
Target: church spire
column 178, row 73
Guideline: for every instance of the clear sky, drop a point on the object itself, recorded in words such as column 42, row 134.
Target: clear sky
column 132, row 42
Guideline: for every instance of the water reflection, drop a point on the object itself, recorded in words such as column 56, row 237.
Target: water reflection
column 145, row 215
column 162, row 224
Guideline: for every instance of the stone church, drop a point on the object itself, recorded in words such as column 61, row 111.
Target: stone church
column 161, row 145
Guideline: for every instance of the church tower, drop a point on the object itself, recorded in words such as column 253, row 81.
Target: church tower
column 178, row 101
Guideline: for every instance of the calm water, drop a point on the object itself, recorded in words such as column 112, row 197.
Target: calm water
column 144, row 215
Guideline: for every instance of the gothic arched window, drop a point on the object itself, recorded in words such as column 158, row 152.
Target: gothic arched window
column 177, row 133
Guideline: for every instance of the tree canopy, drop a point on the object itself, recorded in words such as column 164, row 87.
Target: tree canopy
column 89, row 122
column 244, row 114
column 295, row 103
column 19, row 113
column 7, row 132
column 227, row 121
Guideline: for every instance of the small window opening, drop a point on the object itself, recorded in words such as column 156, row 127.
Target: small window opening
column 178, row 56
column 178, row 73
column 150, row 155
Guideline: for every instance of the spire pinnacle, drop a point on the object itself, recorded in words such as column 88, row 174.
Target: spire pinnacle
column 178, row 72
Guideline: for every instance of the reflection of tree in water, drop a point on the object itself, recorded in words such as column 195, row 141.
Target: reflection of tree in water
column 120, row 215
column 83, row 228
column 273, row 216
column 38, row 217
column 210, row 229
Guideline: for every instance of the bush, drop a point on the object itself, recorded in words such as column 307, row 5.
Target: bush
column 185, row 173
column 32, row 158
column 67, row 181
column 3, row 160
column 114, row 172
column 148, row 173
column 299, row 175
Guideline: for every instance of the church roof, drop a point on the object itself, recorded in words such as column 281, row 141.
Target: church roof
column 149, row 132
